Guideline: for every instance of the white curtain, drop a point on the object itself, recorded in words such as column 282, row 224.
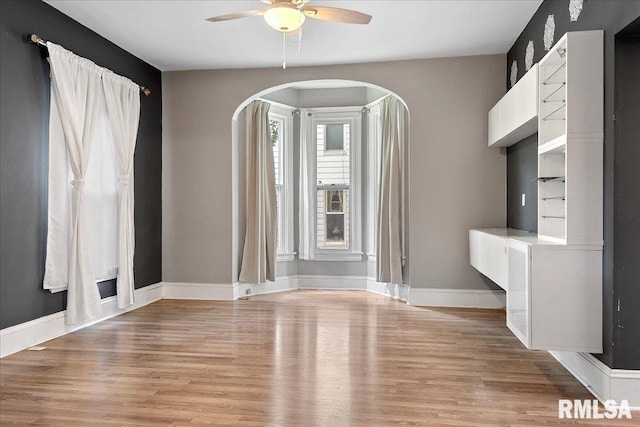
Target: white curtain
column 122, row 98
column 76, row 92
column 258, row 260
column 391, row 194
column 308, row 186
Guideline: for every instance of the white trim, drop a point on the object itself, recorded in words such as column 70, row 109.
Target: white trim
column 399, row 292
column 285, row 257
column 199, row 291
column 330, row 111
column 466, row 298
column 373, row 175
column 282, row 284
column 379, row 100
column 285, row 151
column 332, row 282
column 329, row 255
column 602, row 381
column 34, row 332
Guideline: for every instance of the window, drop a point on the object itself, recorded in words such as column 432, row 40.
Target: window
column 335, row 137
column 100, row 202
column 330, row 203
column 334, row 218
column 281, row 126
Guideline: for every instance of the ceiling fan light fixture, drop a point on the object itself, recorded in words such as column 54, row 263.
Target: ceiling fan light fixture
column 284, row 18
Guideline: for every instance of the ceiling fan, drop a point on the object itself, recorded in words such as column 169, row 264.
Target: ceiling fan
column 289, row 15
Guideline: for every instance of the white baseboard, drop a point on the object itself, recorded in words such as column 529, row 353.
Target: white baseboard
column 602, row 381
column 465, row 298
column 25, row 335
column 281, row 284
column 332, row 282
column 399, row 292
column 199, row 291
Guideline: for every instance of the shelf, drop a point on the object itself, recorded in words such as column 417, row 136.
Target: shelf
column 556, row 95
column 555, row 146
column 557, row 114
column 556, row 77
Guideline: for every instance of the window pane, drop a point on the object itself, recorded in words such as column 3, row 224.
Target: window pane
column 332, row 219
column 276, row 143
column 335, row 201
column 335, row 136
column 332, row 167
column 335, row 228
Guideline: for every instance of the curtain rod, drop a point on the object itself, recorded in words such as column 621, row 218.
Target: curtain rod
column 35, row 39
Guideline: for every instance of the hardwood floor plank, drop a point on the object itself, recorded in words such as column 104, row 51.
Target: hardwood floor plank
column 304, row 358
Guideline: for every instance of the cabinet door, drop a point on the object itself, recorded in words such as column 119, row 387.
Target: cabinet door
column 518, row 291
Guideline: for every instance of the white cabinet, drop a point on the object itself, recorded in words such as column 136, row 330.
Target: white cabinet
column 515, row 116
column 554, row 280
column 488, row 252
column 554, row 295
column 570, row 140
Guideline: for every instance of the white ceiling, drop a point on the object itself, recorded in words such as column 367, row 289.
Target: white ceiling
column 173, row 35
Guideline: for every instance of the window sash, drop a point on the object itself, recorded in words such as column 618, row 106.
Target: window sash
column 283, row 157
column 310, row 212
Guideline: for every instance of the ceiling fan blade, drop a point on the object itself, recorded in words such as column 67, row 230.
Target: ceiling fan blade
column 336, row 14
column 238, row 15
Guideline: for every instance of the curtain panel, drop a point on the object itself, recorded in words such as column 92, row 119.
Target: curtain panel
column 259, row 255
column 122, row 98
column 92, row 109
column 390, row 254
column 76, row 91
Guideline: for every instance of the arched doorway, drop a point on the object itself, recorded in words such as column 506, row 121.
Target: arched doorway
column 345, row 248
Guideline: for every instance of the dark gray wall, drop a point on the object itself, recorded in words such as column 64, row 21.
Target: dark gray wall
column 522, row 171
column 24, row 112
column 620, row 347
column 626, row 221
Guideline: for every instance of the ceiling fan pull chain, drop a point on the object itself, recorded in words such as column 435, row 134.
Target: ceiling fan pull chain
column 284, row 51
column 300, row 41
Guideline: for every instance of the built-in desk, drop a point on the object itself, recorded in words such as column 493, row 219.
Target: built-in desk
column 488, row 251
column 554, row 293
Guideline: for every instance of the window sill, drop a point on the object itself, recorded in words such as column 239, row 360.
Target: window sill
column 285, row 256
column 338, row 256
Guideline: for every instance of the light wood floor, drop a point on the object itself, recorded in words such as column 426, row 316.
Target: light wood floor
column 301, row 358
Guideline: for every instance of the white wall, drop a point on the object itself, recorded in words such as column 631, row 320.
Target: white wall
column 456, row 183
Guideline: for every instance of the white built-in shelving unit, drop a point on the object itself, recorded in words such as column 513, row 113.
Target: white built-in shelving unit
column 553, row 279
column 570, row 137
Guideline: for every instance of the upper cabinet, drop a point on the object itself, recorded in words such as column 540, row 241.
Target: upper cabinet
column 570, row 140
column 515, row 116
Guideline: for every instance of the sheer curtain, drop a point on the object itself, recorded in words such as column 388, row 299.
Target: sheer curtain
column 391, row 193
column 308, row 186
column 76, row 93
column 122, row 98
column 258, row 260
